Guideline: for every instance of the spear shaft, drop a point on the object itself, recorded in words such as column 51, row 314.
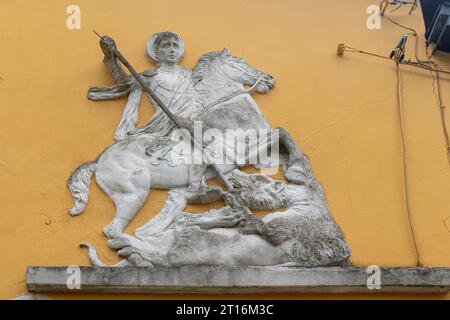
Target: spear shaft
column 147, row 89
column 167, row 111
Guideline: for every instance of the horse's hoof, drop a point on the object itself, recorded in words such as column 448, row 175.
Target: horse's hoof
column 295, row 174
column 118, row 243
column 206, row 195
column 112, row 231
column 74, row 212
column 295, row 178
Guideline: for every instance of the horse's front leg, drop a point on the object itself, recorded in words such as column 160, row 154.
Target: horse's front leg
column 286, row 139
column 297, row 169
column 273, row 141
column 199, row 192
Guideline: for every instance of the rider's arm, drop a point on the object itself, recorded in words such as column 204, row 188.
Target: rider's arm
column 116, row 71
column 110, row 60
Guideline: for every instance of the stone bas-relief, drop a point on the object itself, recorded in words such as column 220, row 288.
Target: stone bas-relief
column 217, row 93
column 297, row 247
column 303, row 234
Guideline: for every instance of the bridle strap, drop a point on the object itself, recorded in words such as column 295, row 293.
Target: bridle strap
column 231, row 96
column 257, row 78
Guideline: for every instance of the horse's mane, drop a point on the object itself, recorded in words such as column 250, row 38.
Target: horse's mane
column 199, row 71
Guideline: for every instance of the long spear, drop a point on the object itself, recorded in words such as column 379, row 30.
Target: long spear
column 162, row 106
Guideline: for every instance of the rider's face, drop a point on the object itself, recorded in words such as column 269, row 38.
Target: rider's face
column 168, row 51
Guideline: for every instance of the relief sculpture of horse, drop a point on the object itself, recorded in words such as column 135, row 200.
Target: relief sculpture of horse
column 125, row 171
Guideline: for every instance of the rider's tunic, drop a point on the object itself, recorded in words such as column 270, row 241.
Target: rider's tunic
column 176, row 90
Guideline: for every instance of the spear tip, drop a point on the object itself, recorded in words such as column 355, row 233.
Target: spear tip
column 97, row 34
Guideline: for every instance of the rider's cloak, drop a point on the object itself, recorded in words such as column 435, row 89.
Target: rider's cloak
column 175, row 89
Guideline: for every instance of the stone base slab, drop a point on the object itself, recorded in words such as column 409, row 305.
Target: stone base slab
column 208, row 279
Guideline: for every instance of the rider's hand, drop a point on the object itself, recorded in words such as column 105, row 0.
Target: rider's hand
column 108, row 46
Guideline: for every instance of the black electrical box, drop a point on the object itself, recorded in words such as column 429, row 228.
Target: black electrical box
column 436, row 14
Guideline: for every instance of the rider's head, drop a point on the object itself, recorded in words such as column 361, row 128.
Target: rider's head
column 165, row 48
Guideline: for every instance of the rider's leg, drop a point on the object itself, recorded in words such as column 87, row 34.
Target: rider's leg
column 198, row 191
column 197, row 174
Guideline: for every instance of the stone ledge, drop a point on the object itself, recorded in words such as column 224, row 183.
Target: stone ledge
column 208, row 279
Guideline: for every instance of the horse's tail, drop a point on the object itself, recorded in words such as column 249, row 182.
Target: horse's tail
column 78, row 184
column 92, row 255
column 95, row 260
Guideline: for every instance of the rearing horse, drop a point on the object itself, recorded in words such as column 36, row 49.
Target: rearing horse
column 126, row 173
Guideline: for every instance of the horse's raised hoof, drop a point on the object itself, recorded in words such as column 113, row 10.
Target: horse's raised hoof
column 74, row 212
column 119, row 243
column 205, row 195
column 112, row 230
column 295, row 173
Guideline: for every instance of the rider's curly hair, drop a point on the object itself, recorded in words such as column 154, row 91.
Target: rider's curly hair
column 164, row 36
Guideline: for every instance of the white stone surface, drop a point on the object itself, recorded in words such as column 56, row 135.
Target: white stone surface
column 213, row 94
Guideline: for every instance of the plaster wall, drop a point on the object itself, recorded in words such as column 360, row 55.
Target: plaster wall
column 341, row 111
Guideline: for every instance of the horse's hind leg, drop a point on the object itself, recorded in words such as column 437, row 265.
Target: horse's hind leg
column 127, row 205
column 128, row 190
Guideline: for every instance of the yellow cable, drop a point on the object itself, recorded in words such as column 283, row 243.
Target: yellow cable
column 405, row 162
column 422, row 65
column 442, row 112
column 437, row 70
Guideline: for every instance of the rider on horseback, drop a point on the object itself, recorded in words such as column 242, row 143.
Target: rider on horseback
column 126, row 171
column 170, row 82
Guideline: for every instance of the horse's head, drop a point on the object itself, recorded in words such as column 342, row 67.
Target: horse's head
column 239, row 70
column 233, row 70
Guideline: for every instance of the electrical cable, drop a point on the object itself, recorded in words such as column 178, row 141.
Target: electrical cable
column 422, row 65
column 405, row 160
column 432, row 67
column 398, row 58
column 341, row 49
column 430, row 64
column 441, row 106
column 397, row 5
column 435, row 79
column 344, row 48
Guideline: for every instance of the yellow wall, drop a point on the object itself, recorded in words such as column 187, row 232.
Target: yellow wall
column 341, row 111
